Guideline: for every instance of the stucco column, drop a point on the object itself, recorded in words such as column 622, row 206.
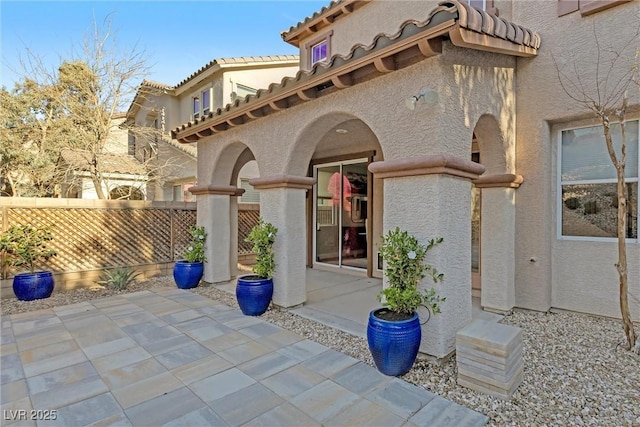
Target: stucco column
column 430, row 197
column 497, row 240
column 282, row 203
column 216, row 213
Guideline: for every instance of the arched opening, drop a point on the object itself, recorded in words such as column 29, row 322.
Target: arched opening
column 344, row 211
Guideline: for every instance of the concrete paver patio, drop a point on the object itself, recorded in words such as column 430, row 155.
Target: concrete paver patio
column 171, row 357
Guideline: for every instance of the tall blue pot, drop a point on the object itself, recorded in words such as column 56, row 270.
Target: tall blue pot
column 254, row 294
column 187, row 274
column 36, row 285
column 393, row 344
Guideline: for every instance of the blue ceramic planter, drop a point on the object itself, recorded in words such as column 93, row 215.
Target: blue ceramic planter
column 254, row 294
column 393, row 344
column 30, row 286
column 187, row 274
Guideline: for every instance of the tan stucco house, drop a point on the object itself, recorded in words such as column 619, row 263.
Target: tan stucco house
column 158, row 107
column 445, row 119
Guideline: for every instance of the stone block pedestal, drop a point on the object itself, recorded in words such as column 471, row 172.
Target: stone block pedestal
column 489, row 358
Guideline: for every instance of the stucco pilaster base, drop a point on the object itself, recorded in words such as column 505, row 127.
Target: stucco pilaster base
column 285, row 209
column 497, row 255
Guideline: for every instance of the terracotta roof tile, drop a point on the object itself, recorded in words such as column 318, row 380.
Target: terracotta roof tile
column 452, row 12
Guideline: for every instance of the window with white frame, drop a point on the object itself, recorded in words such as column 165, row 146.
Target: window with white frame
column 196, row 107
column 318, row 50
column 206, row 102
column 588, row 202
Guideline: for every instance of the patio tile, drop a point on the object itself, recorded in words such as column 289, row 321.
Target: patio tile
column 106, row 348
column 200, row 369
column 244, row 352
column 6, row 336
column 148, row 332
column 198, row 418
column 401, row 398
column 61, row 377
column 222, row 384
column 365, row 413
column 324, row 401
column 285, row 415
column 10, row 368
column 165, row 307
column 136, row 318
column 281, row 339
column 13, row 391
column 239, row 407
column 122, row 310
column 50, row 357
column 147, row 389
column 15, row 412
column 181, row 316
column 89, row 322
column 52, row 335
column 208, row 332
column 6, row 349
column 166, row 408
column 67, row 394
column 213, row 310
column 166, row 345
column 329, row 362
column 360, row 378
column 440, row 411
column 303, row 350
column 183, row 355
column 226, row 341
column 106, row 333
column 239, row 321
column 86, row 412
column 267, row 365
column 126, row 375
column 260, row 330
column 120, row 359
column 293, row 381
column 35, row 321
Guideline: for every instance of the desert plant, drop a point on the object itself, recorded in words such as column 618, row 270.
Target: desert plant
column 25, row 245
column 404, row 268
column 263, row 236
column 195, row 249
column 120, row 278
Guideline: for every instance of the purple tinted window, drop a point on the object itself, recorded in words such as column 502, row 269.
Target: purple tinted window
column 319, row 52
column 205, row 100
column 196, row 106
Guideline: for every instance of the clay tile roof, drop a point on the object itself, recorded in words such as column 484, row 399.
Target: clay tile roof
column 238, row 60
column 186, row 148
column 464, row 25
column 110, row 163
column 154, row 84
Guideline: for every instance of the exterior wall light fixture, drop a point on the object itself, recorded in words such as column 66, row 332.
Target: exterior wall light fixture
column 426, row 96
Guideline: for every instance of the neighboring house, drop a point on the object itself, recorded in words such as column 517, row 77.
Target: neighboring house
column 124, row 176
column 161, row 107
column 411, row 113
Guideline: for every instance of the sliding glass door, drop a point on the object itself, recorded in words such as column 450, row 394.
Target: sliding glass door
column 341, row 214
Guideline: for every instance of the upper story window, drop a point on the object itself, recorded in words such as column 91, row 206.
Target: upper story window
column 486, row 5
column 318, row 49
column 586, row 7
column 588, row 202
column 206, row 102
column 196, row 107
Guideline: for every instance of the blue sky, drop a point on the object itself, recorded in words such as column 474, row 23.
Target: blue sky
column 178, row 36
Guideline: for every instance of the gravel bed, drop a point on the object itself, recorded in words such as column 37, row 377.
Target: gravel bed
column 576, row 373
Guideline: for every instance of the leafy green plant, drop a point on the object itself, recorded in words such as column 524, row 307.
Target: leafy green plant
column 120, row 278
column 404, row 268
column 25, row 245
column 263, row 235
column 195, row 249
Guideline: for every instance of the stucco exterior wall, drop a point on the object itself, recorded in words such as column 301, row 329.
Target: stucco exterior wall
column 256, row 79
column 572, row 275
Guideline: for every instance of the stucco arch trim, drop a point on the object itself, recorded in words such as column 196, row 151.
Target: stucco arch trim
column 427, row 165
column 283, row 181
column 507, row 180
column 222, row 190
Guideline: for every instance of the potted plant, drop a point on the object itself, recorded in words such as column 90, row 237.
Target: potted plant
column 393, row 332
column 187, row 272
column 26, row 246
column 254, row 291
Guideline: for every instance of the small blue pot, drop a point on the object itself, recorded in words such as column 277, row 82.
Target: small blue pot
column 254, row 294
column 393, row 344
column 36, row 285
column 187, row 274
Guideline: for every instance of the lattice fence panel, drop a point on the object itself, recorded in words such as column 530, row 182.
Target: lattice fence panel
column 246, row 221
column 89, row 239
column 182, row 221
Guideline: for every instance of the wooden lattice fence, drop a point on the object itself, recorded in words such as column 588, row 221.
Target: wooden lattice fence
column 93, row 235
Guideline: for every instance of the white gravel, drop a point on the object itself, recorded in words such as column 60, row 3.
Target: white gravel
column 576, row 373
